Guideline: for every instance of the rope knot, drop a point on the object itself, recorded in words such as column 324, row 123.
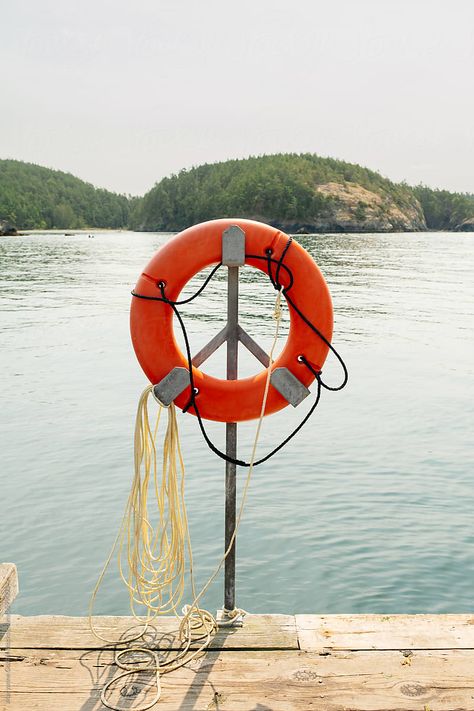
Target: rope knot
column 231, row 617
column 277, row 310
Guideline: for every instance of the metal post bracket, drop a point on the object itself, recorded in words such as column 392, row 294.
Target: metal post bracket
column 233, row 247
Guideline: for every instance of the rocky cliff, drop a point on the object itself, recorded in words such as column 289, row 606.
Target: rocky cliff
column 466, row 225
column 6, row 228
column 298, row 193
column 352, row 208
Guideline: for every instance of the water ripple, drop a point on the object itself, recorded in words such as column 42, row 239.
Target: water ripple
column 369, row 510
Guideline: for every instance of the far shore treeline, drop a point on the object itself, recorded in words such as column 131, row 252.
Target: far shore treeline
column 296, row 192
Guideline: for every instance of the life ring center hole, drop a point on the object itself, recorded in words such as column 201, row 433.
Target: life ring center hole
column 206, row 316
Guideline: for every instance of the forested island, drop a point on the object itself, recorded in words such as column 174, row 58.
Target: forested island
column 33, row 197
column 300, row 193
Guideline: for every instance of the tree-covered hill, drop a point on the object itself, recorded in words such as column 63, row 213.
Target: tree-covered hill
column 296, row 192
column 33, row 197
column 444, row 210
column 299, row 193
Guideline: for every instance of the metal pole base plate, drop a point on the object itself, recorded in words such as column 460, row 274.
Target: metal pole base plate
column 223, row 619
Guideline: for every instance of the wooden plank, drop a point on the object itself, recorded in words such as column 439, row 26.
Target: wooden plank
column 385, row 631
column 286, row 680
column 60, row 632
column 8, row 585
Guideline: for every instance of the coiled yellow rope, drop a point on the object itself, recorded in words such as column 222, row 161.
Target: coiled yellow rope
column 154, row 547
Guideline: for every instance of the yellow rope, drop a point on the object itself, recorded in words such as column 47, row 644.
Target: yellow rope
column 154, row 546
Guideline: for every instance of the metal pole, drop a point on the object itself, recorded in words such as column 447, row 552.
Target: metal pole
column 231, row 436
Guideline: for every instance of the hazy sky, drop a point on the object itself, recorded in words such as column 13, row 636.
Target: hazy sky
column 123, row 93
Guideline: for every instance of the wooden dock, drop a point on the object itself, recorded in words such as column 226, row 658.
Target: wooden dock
column 272, row 663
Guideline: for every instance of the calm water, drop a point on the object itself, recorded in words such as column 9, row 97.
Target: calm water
column 370, row 509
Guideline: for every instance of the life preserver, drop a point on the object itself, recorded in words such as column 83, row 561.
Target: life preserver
column 175, row 263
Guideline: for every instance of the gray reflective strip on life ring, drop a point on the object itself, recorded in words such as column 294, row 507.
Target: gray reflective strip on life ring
column 171, row 386
column 289, row 386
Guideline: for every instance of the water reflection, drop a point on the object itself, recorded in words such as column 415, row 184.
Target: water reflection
column 373, row 501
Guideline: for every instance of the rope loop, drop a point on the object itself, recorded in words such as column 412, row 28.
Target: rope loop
column 152, row 557
column 153, row 567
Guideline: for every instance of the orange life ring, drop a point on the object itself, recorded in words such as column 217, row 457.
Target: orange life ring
column 175, row 263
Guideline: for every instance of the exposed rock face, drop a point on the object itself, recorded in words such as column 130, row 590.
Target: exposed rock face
column 6, row 228
column 466, row 225
column 353, row 208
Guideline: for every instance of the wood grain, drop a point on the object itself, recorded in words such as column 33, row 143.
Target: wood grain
column 59, row 632
column 8, row 585
column 358, row 663
column 283, row 680
column 385, row 631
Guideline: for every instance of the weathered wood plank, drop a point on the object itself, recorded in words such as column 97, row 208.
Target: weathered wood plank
column 286, row 680
column 59, row 632
column 8, row 585
column 385, row 631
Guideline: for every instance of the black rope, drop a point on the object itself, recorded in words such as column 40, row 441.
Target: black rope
column 276, row 281
column 269, row 260
column 311, row 325
column 302, row 359
column 183, row 301
column 328, row 343
column 282, row 257
column 192, row 403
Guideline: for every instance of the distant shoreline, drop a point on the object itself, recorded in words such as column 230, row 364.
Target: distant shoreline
column 106, row 230
column 72, row 232
column 296, row 193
